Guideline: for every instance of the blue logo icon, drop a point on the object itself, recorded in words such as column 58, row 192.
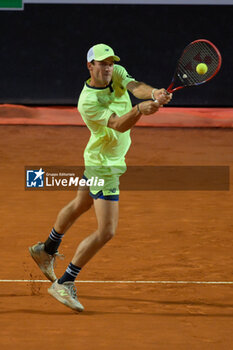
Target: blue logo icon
column 35, row 178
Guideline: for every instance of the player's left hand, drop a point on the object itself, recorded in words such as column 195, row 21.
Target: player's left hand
column 162, row 96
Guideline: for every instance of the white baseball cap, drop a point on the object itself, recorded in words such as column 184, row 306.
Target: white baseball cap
column 101, row 51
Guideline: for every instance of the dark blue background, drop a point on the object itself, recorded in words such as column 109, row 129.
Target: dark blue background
column 43, row 48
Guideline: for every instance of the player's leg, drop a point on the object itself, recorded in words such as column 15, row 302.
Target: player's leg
column 45, row 253
column 107, row 218
column 73, row 210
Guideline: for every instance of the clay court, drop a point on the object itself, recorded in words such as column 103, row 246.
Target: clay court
column 165, row 280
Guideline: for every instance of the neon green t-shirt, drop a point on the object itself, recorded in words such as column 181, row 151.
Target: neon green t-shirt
column 105, row 152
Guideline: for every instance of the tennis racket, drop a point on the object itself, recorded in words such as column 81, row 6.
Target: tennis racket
column 198, row 51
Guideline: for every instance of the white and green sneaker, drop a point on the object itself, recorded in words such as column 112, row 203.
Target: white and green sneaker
column 44, row 260
column 66, row 293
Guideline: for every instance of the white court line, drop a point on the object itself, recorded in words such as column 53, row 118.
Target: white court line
column 126, row 282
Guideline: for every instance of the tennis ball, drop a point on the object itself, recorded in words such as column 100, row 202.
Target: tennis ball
column 201, row 68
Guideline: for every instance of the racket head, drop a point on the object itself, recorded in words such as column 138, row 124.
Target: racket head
column 198, row 51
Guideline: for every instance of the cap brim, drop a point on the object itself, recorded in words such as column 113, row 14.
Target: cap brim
column 116, row 58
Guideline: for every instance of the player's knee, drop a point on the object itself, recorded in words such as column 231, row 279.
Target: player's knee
column 107, row 232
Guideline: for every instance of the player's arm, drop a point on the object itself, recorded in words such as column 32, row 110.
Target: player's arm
column 145, row 92
column 127, row 121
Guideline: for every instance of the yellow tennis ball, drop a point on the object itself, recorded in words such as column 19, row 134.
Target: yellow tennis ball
column 201, row 68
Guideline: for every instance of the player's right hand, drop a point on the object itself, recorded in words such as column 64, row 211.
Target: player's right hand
column 149, row 107
column 162, row 96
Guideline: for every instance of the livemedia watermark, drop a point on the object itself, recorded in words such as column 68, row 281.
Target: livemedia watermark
column 134, row 178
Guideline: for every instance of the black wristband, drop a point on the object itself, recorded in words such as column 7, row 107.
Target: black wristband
column 138, row 109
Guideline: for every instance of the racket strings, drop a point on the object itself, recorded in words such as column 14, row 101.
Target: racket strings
column 198, row 52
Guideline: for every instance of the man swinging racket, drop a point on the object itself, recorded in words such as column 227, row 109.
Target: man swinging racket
column 105, row 107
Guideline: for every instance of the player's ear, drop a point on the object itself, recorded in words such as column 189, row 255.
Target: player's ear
column 90, row 65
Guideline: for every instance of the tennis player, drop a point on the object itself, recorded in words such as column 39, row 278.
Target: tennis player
column 105, row 107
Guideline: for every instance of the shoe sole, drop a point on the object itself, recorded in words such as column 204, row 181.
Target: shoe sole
column 44, row 272
column 63, row 301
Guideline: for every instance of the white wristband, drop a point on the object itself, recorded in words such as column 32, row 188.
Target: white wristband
column 152, row 95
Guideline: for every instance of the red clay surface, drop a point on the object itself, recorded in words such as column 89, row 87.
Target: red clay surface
column 162, row 236
column 165, row 117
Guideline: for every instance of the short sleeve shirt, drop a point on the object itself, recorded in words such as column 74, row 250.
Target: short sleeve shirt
column 106, row 147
